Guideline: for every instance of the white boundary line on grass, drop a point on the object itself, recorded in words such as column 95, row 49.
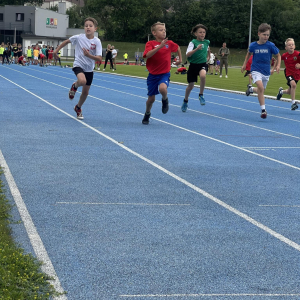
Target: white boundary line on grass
column 35, row 239
column 183, row 181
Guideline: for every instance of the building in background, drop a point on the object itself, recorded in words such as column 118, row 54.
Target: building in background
column 69, row 3
column 29, row 25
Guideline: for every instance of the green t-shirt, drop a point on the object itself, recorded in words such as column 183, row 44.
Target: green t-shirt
column 1, row 50
column 200, row 56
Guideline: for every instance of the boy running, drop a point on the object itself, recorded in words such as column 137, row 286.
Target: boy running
column 292, row 73
column 198, row 54
column 260, row 69
column 158, row 54
column 88, row 49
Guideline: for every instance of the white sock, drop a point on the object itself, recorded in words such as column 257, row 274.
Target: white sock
column 293, row 101
column 263, row 107
column 251, row 89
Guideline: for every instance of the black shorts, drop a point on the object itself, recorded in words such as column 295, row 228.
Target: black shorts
column 289, row 79
column 247, row 73
column 194, row 71
column 88, row 75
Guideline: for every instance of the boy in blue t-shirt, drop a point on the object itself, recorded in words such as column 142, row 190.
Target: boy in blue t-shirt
column 260, row 69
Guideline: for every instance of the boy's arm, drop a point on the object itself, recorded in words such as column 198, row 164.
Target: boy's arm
column 277, row 66
column 208, row 54
column 63, row 44
column 153, row 51
column 94, row 57
column 180, row 56
column 245, row 62
column 190, row 53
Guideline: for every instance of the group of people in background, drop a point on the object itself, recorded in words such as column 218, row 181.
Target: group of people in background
column 35, row 55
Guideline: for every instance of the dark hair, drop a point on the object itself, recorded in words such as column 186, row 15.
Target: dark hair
column 195, row 28
column 264, row 27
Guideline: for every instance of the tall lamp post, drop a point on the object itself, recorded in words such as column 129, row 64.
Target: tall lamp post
column 250, row 26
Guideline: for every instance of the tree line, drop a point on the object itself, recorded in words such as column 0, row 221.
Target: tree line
column 226, row 20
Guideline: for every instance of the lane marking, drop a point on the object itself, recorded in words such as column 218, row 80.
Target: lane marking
column 183, row 181
column 209, row 295
column 137, row 96
column 266, row 205
column 271, row 147
column 35, row 239
column 125, row 204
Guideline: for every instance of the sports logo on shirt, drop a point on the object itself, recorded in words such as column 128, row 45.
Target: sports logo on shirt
column 167, row 46
column 295, row 58
column 93, row 47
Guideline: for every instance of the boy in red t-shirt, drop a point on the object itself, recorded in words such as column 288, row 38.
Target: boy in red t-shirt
column 291, row 60
column 158, row 54
column 248, row 68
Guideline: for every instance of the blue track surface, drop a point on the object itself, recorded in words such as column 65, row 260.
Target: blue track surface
column 196, row 205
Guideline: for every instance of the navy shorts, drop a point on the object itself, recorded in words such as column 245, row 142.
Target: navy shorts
column 153, row 82
column 289, row 79
column 88, row 75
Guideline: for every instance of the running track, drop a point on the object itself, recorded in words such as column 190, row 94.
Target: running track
column 196, row 205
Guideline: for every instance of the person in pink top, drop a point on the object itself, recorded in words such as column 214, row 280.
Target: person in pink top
column 158, row 54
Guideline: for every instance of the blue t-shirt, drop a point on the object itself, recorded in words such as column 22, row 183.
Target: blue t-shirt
column 262, row 55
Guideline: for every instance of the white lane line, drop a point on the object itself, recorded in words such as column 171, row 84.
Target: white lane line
column 143, row 97
column 125, row 204
column 271, row 147
column 35, row 239
column 183, row 181
column 266, row 205
column 208, row 295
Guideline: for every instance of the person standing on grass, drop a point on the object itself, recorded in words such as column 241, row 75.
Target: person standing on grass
column 248, row 69
column 198, row 54
column 260, row 69
column 158, row 54
column 223, row 53
column 114, row 55
column 108, row 57
column 88, row 49
column 292, row 73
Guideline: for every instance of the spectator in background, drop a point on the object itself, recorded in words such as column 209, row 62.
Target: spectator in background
column 223, row 53
column 108, row 56
column 211, row 62
column 125, row 58
column 114, row 55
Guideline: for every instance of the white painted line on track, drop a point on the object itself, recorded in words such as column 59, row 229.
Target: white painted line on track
column 183, row 181
column 266, row 205
column 124, row 204
column 35, row 239
column 208, row 295
column 271, row 147
column 137, row 96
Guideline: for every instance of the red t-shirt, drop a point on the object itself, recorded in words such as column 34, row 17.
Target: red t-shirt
column 42, row 55
column 20, row 58
column 160, row 62
column 249, row 63
column 290, row 60
column 181, row 69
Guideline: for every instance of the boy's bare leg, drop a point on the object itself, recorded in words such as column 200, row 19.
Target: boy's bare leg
column 188, row 90
column 259, row 90
column 84, row 94
column 202, row 80
column 149, row 103
column 163, row 89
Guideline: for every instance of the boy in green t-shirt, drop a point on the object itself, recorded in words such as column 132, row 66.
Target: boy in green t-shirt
column 197, row 54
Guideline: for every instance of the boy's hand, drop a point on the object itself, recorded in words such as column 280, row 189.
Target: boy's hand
column 297, row 66
column 243, row 69
column 199, row 47
column 55, row 54
column 163, row 43
column 86, row 52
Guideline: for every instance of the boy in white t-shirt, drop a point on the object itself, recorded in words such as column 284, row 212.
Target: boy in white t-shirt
column 88, row 49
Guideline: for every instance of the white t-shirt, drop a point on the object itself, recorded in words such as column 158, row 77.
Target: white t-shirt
column 93, row 45
column 114, row 53
column 211, row 59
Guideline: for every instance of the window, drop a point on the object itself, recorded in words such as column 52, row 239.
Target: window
column 20, row 17
column 1, row 17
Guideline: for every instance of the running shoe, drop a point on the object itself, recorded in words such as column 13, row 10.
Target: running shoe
column 202, row 100
column 72, row 91
column 279, row 95
column 263, row 114
column 165, row 106
column 184, row 106
column 78, row 112
column 248, row 91
column 146, row 118
column 294, row 106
